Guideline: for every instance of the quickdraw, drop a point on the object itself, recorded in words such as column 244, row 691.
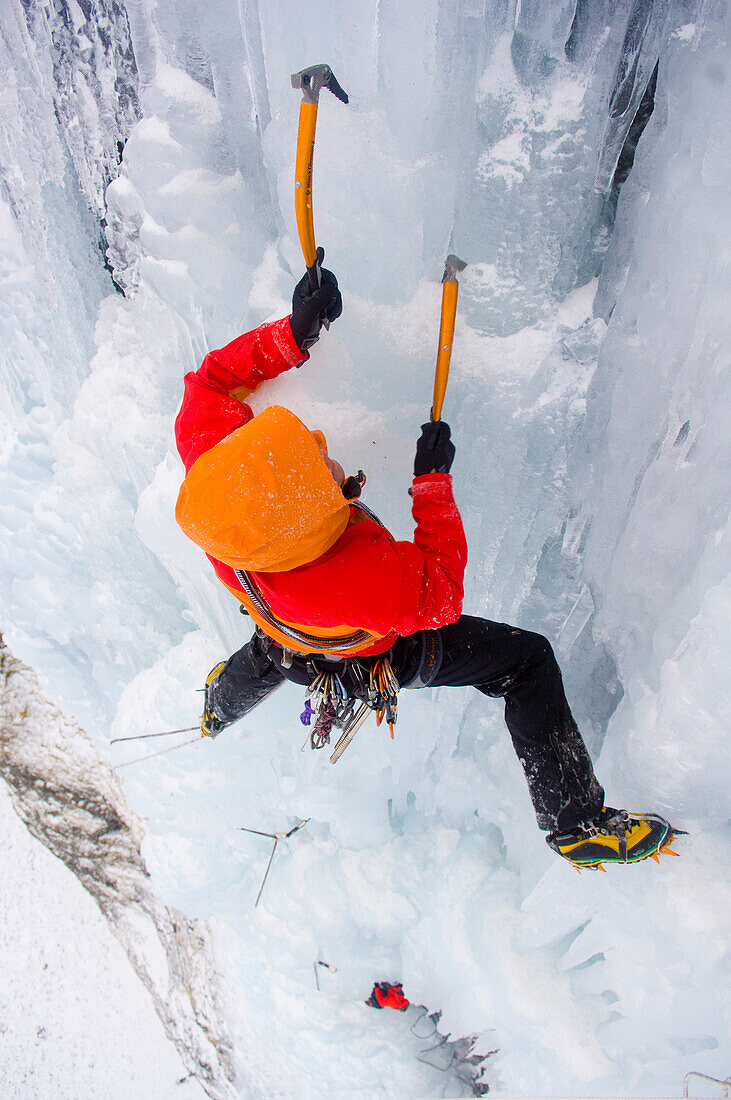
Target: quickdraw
column 383, row 692
column 329, row 705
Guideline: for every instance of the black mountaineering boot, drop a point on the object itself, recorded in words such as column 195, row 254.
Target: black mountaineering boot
column 211, row 726
column 617, row 837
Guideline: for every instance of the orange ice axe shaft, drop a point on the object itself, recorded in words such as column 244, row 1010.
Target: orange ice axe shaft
column 311, row 81
column 450, row 290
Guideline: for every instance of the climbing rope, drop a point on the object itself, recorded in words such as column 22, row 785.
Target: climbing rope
column 162, row 752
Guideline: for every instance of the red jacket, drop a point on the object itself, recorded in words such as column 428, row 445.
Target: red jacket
column 367, row 579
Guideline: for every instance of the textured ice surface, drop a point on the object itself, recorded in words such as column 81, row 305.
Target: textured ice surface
column 588, row 401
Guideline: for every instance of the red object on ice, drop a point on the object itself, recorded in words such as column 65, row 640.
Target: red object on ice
column 386, row 995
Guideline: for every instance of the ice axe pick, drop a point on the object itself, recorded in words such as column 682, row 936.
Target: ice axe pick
column 311, row 81
column 450, row 290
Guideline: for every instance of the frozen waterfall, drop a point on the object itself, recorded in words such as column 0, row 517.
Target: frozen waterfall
column 576, row 154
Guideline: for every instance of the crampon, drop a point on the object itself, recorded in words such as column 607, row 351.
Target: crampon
column 211, row 724
column 617, row 837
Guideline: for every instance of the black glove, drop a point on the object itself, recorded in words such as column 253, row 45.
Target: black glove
column 309, row 307
column 434, row 451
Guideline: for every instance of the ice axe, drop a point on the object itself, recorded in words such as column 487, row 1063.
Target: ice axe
column 311, row 81
column 450, row 290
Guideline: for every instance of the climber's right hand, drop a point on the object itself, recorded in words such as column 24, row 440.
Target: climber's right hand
column 434, row 450
column 309, row 307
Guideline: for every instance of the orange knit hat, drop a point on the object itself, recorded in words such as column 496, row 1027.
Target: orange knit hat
column 263, row 498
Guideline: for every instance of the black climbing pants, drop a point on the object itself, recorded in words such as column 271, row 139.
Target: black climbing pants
column 520, row 667
column 500, row 661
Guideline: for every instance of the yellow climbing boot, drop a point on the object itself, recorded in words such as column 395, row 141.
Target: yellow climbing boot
column 617, row 837
column 211, row 725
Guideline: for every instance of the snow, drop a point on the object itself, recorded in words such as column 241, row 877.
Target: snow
column 72, row 801
column 588, row 401
column 76, row 1020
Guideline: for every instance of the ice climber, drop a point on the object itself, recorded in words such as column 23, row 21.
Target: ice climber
column 342, row 607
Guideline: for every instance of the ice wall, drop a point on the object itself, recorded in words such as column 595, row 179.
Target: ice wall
column 479, row 126
column 655, row 452
column 69, row 102
column 586, row 399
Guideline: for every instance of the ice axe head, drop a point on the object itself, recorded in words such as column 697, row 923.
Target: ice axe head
column 452, row 268
column 315, row 77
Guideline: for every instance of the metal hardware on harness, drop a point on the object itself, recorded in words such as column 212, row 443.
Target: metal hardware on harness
column 350, row 731
column 380, row 695
column 329, row 704
column 287, row 656
column 383, row 692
